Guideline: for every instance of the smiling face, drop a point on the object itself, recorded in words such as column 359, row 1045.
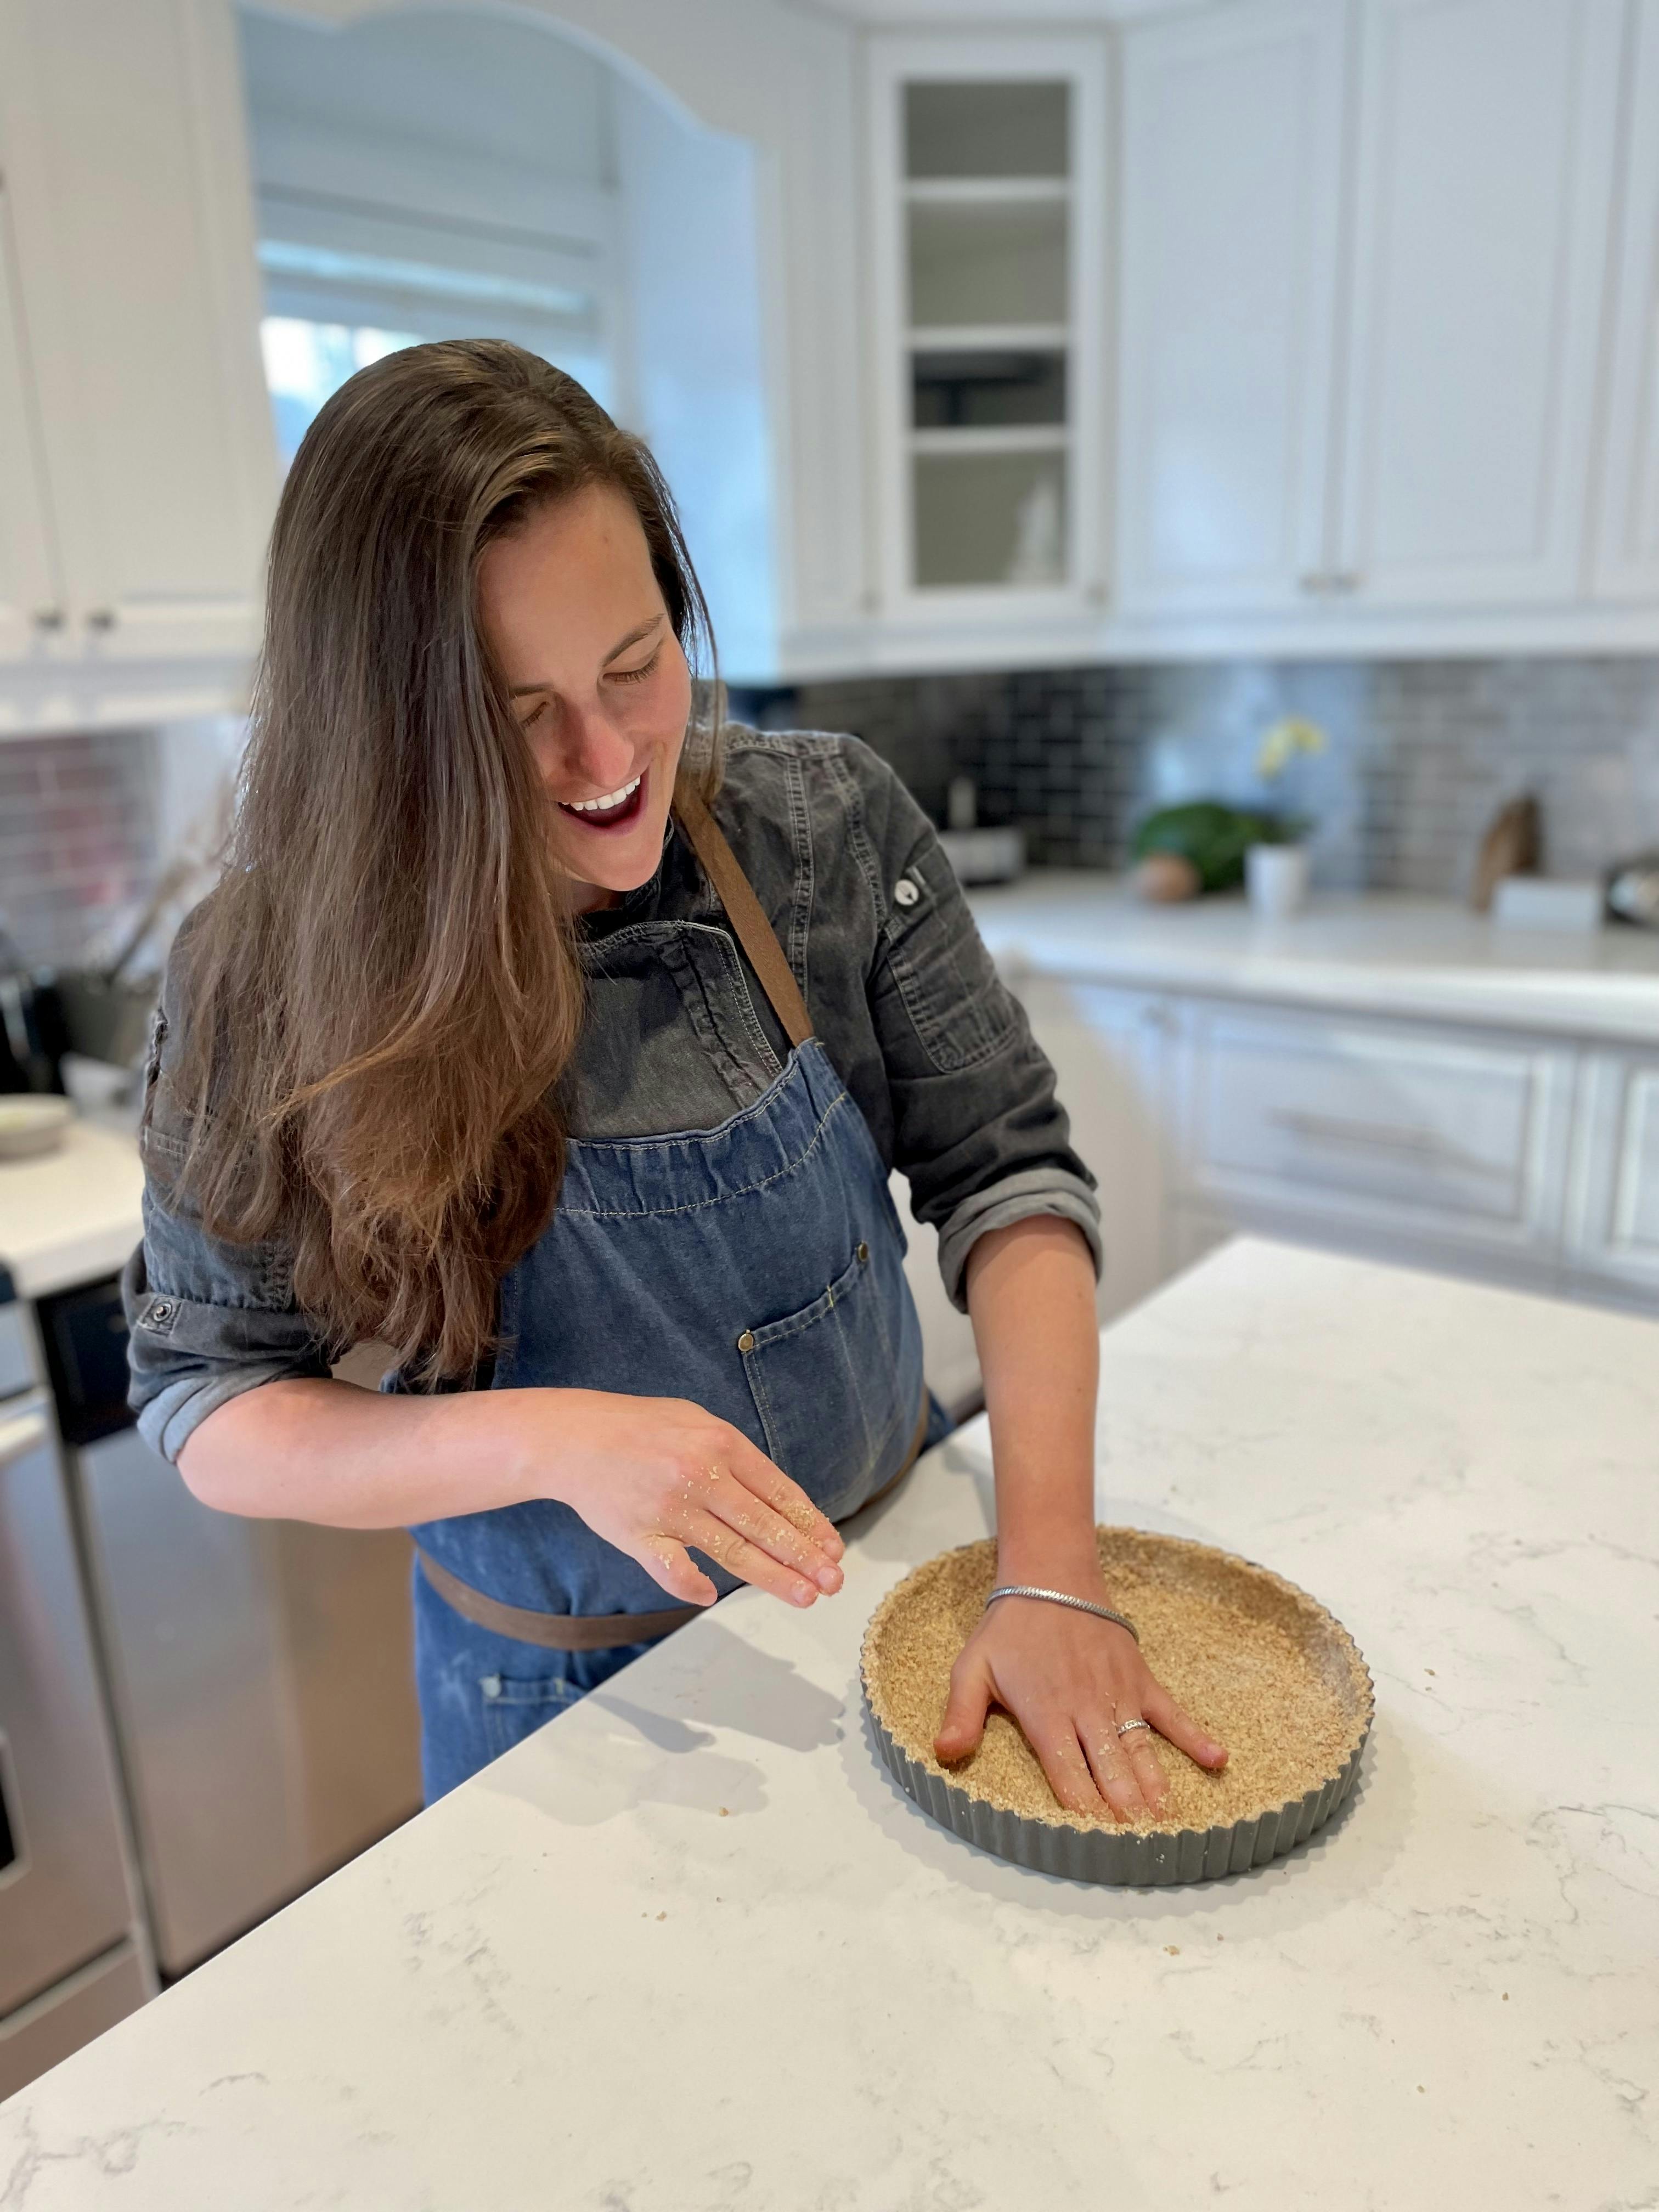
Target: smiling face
column 573, row 612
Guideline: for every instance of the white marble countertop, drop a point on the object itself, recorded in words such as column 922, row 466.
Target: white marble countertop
column 69, row 1216
column 689, row 1948
column 1384, row 953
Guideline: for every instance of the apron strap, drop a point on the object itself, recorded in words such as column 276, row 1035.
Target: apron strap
column 748, row 917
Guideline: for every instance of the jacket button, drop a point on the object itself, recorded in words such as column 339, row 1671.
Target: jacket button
column 161, row 1310
column 906, row 892
column 746, row 1341
column 864, row 1251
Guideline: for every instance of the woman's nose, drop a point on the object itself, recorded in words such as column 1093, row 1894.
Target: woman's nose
column 595, row 754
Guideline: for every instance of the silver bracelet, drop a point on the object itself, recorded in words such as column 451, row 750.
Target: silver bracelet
column 1058, row 1597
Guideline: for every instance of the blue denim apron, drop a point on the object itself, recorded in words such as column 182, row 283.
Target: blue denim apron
column 755, row 1268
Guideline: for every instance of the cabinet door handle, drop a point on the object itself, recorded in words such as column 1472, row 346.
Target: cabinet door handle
column 102, row 618
column 1368, row 1136
column 20, row 1434
column 1315, row 583
column 1345, row 580
column 48, row 617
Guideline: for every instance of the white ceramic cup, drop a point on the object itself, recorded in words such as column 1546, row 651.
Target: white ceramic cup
column 1277, row 876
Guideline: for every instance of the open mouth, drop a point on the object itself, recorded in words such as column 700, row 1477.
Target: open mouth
column 614, row 811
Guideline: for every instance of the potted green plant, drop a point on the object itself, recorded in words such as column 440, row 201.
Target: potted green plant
column 1276, row 865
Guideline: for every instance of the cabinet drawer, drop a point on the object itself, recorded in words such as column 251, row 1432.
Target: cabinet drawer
column 1614, row 1230
column 1397, row 1127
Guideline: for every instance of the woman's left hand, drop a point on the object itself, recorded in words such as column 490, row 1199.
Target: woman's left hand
column 1071, row 1680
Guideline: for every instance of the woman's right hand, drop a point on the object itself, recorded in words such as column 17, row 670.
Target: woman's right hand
column 654, row 1475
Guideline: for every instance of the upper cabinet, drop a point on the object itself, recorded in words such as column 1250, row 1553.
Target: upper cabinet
column 1627, row 555
column 132, row 348
column 986, row 313
column 1253, row 327
column 1365, row 266
column 1232, row 191
column 1487, row 135
column 31, row 593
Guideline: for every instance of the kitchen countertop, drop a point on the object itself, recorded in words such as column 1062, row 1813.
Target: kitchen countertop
column 689, row 1948
column 72, row 1215
column 1381, row 951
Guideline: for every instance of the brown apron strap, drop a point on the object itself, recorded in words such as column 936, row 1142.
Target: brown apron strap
column 748, row 917
column 598, row 1632
column 553, row 1632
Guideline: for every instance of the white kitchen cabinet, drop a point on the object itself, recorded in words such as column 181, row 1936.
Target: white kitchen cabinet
column 1380, row 1132
column 1110, row 1050
column 1627, row 556
column 30, row 590
column 1612, row 1232
column 988, row 207
column 1231, row 202
column 1364, row 300
column 130, row 199
column 949, row 1358
column 1487, row 139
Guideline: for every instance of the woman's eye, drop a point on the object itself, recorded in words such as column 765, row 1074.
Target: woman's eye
column 637, row 675
column 537, row 713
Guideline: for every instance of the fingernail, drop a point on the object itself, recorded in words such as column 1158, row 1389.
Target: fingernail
column 802, row 1594
column 827, row 1578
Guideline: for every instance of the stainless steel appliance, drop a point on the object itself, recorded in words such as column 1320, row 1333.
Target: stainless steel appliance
column 258, row 1671
column 73, row 1952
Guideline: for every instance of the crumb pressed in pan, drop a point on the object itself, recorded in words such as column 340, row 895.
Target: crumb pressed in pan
column 1252, row 1659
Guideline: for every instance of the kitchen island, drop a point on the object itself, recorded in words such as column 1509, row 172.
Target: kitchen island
column 690, row 1948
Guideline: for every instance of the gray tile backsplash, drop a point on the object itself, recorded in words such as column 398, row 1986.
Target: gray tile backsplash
column 77, row 838
column 1422, row 753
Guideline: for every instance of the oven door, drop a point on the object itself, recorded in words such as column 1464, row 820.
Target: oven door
column 65, row 1895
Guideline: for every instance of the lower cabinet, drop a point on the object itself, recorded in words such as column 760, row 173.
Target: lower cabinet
column 1395, row 1137
column 1111, row 1052
column 1499, row 1155
column 949, row 1359
column 1612, row 1225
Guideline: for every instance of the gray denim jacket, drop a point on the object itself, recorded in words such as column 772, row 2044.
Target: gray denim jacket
column 681, row 1036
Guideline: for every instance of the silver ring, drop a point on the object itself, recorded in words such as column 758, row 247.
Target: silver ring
column 1128, row 1725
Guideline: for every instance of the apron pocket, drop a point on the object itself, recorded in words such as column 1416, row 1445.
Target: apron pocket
column 825, row 1381
column 513, row 1708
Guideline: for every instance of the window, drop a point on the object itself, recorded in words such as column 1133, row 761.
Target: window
column 344, row 287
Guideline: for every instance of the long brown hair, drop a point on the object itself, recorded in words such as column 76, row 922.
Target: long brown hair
column 384, row 990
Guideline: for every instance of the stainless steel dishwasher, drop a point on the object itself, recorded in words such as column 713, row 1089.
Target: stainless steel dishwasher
column 73, row 1950
column 258, row 1671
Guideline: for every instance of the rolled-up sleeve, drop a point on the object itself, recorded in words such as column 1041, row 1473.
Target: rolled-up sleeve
column 206, row 1319
column 977, row 1128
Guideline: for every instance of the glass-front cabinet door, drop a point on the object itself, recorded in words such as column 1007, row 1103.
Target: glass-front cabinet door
column 988, row 260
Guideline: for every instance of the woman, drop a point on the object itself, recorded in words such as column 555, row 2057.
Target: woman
column 493, row 1044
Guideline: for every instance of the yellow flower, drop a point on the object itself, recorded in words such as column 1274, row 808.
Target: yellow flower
column 1284, row 741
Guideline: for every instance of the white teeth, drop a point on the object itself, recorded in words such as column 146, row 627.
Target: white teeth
column 595, row 805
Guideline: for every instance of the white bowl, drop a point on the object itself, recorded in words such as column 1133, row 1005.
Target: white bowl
column 30, row 1125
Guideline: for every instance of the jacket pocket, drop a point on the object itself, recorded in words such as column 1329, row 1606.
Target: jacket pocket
column 826, row 1381
column 961, row 1011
